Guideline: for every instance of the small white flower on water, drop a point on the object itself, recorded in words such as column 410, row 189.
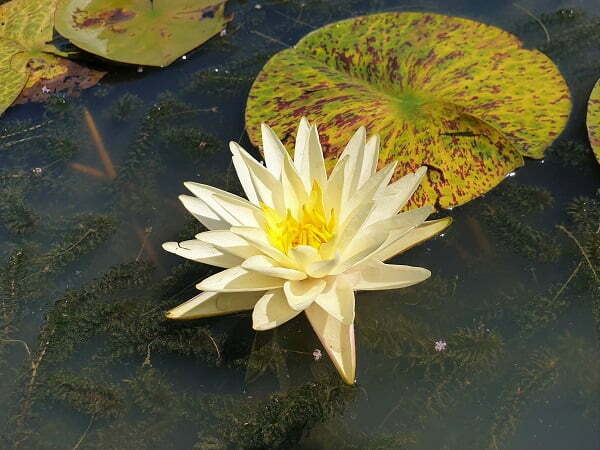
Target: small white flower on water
column 223, row 32
column 184, row 57
column 45, row 89
column 317, row 355
column 258, row 6
column 305, row 239
column 37, row 171
column 440, row 346
column 140, row 69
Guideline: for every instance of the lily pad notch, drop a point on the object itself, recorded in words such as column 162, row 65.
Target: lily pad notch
column 459, row 96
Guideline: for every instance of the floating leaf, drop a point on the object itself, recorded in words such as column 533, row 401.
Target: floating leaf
column 593, row 120
column 26, row 60
column 153, row 33
column 68, row 79
column 462, row 97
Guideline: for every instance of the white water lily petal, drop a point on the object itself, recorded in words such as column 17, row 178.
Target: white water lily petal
column 257, row 238
column 393, row 198
column 267, row 187
column 268, row 266
column 272, row 310
column 210, row 304
column 407, row 241
column 335, row 186
column 369, row 190
column 300, row 294
column 303, row 256
column 203, row 253
column 320, row 269
column 300, row 150
column 237, row 210
column 337, row 299
column 349, row 231
column 228, row 242
column 354, row 151
column 245, row 180
column 402, row 222
column 204, row 213
column 313, row 164
column 370, row 160
column 337, row 339
column 375, row 276
column 238, row 279
column 294, row 192
column 273, row 151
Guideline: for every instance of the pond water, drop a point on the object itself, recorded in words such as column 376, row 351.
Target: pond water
column 87, row 359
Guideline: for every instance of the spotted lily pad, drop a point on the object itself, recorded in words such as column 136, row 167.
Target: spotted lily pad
column 27, row 61
column 145, row 32
column 593, row 120
column 462, row 97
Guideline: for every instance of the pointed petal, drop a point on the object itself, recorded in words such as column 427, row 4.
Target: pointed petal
column 370, row 160
column 204, row 213
column 267, row 187
column 245, row 180
column 238, row 279
column 303, row 256
column 267, row 266
column 273, row 150
column 320, row 269
column 228, row 242
column 335, row 186
column 256, row 237
column 294, row 192
column 203, row 253
column 338, row 299
column 409, row 240
column 354, row 151
column 407, row 185
column 300, row 294
column 300, row 150
column 236, row 210
column 312, row 166
column 337, row 339
column 315, row 158
column 209, row 304
column 368, row 190
column 271, row 311
column 349, row 230
column 402, row 221
column 375, row 276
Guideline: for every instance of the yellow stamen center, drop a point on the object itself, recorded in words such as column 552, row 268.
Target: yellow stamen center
column 309, row 226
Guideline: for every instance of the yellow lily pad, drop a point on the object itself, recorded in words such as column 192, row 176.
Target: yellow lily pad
column 27, row 62
column 145, row 32
column 593, row 120
column 459, row 96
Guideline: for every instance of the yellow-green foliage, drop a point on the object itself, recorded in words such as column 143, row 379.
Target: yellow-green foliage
column 462, row 97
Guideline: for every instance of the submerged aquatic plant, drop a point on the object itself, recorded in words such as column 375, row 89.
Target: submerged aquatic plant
column 305, row 241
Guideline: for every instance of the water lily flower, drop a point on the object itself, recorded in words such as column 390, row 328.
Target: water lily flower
column 303, row 240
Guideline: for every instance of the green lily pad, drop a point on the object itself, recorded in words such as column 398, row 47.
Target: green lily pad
column 462, row 97
column 27, row 62
column 145, row 32
column 593, row 120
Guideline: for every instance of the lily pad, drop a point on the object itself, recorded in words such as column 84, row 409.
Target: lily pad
column 593, row 120
column 27, row 61
column 145, row 32
column 462, row 97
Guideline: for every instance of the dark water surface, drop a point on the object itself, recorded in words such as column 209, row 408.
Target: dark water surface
column 87, row 360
